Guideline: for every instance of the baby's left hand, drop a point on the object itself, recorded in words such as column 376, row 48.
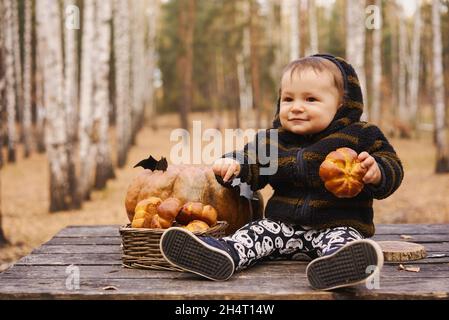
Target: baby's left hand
column 373, row 174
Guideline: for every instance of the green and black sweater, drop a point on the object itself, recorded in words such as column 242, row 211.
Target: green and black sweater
column 299, row 194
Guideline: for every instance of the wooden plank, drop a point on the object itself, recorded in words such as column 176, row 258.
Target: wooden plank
column 417, row 238
column 381, row 229
column 239, row 287
column 85, row 241
column 89, row 231
column 268, row 270
column 411, row 229
column 75, row 249
column 68, row 259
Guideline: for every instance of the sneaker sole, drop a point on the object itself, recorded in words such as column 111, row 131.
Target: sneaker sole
column 184, row 250
column 346, row 267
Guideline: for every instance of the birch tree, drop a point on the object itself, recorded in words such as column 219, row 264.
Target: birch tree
column 402, row 96
column 104, row 170
column 153, row 13
column 295, row 32
column 88, row 137
column 355, row 42
column 377, row 64
column 185, row 58
column 254, row 61
column 442, row 157
column 122, row 81
column 413, row 88
column 17, row 66
column 3, row 240
column 55, row 127
column 27, row 78
column 10, row 78
column 2, row 85
column 2, row 80
column 313, row 28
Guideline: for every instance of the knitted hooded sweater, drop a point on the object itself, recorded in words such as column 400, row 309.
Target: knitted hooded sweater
column 300, row 197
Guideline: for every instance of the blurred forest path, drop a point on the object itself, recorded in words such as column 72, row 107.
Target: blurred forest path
column 28, row 224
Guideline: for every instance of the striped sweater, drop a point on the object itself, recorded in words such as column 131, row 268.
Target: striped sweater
column 299, row 194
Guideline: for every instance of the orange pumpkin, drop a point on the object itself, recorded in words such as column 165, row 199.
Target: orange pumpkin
column 194, row 184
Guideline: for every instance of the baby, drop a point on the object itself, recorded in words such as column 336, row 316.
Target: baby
column 318, row 111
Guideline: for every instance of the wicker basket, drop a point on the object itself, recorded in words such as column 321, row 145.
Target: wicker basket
column 141, row 246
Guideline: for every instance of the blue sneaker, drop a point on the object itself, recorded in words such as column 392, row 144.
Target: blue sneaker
column 205, row 256
column 355, row 263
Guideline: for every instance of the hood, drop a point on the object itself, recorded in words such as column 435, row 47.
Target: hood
column 349, row 112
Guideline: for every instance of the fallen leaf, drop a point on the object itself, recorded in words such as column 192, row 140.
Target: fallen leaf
column 110, row 288
column 406, row 237
column 409, row 268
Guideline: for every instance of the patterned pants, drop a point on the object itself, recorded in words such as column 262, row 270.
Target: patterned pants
column 268, row 239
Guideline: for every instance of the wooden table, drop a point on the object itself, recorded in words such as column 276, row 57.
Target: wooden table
column 94, row 253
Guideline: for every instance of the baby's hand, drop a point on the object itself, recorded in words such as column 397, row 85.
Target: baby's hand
column 373, row 174
column 226, row 168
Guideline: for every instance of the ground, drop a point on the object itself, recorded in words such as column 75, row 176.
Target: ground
column 422, row 198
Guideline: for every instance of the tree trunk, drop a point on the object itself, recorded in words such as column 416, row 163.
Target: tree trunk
column 254, row 61
column 153, row 16
column 18, row 67
column 355, row 43
column 104, row 169
column 403, row 110
column 122, row 72
column 3, row 240
column 71, row 97
column 56, row 126
column 313, row 28
column 442, row 158
column 10, row 79
column 185, row 60
column 2, row 80
column 295, row 32
column 88, row 126
column 27, row 78
column 415, row 66
column 377, row 67
column 41, row 48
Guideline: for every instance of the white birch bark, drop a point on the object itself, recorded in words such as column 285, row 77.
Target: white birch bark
column 403, row 110
column 377, row 67
column 415, row 65
column 442, row 158
column 71, row 69
column 10, row 79
column 104, row 169
column 2, row 79
column 285, row 31
column 87, row 135
column 153, row 13
column 122, row 69
column 55, row 125
column 313, row 28
column 18, row 67
column 295, row 32
column 355, row 43
column 41, row 49
column 27, row 79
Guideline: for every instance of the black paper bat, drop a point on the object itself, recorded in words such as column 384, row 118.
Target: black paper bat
column 153, row 164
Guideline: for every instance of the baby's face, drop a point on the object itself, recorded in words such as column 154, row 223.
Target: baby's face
column 309, row 101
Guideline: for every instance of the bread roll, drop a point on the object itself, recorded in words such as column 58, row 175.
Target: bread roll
column 342, row 173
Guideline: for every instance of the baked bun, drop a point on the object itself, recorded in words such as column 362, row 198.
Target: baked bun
column 342, row 173
column 197, row 226
column 197, row 211
column 144, row 212
column 155, row 213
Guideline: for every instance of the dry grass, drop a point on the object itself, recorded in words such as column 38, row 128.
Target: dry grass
column 422, row 198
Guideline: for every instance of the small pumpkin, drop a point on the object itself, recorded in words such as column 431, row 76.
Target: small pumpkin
column 189, row 183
